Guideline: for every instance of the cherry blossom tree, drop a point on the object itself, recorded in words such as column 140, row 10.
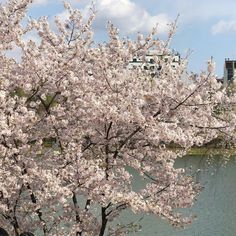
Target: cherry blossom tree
column 75, row 120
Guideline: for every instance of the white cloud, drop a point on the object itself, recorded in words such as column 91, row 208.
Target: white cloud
column 40, row 2
column 63, row 16
column 128, row 16
column 224, row 26
column 194, row 10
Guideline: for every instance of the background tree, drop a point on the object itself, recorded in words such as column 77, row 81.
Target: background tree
column 74, row 119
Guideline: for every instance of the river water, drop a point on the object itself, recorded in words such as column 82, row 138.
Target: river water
column 215, row 207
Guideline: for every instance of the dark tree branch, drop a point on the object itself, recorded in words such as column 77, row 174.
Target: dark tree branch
column 104, row 221
column 34, row 200
column 191, row 94
column 77, row 217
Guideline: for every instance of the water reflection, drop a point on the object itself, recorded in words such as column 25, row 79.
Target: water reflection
column 216, row 205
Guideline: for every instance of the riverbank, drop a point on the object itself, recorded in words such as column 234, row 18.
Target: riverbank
column 203, row 151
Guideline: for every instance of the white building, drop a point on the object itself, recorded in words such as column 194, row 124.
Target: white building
column 153, row 61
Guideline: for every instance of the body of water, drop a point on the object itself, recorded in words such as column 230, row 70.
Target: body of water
column 215, row 207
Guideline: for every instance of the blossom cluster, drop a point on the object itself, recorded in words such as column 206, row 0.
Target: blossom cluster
column 75, row 119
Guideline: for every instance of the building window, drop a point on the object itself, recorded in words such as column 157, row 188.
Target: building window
column 152, row 61
column 229, row 65
column 230, row 73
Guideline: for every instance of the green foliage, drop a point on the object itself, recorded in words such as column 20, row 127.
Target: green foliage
column 18, row 92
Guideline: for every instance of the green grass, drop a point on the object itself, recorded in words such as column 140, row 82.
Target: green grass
column 200, row 151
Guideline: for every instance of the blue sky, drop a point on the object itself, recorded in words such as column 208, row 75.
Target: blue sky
column 207, row 27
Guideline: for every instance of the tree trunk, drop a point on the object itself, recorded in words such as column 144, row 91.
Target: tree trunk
column 104, row 222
